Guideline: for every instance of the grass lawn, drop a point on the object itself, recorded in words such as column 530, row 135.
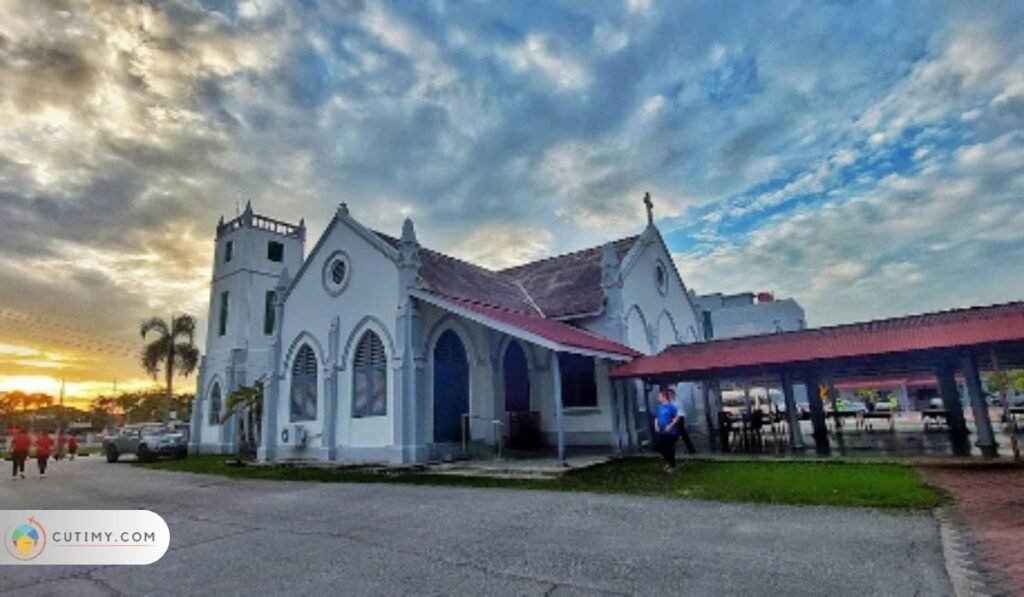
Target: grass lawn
column 805, row 483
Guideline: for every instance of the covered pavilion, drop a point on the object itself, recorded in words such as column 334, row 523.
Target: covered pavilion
column 944, row 344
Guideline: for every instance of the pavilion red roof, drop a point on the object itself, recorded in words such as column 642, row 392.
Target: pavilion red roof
column 941, row 330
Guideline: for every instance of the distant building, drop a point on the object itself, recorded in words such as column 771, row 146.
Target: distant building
column 748, row 314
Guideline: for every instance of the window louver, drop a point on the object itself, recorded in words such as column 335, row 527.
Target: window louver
column 305, row 362
column 370, row 351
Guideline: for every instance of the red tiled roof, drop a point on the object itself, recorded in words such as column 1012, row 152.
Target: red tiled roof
column 946, row 329
column 557, row 287
column 555, row 332
column 567, row 285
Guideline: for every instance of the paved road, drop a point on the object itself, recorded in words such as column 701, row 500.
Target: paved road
column 259, row 537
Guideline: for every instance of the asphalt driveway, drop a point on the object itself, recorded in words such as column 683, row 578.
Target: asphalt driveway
column 261, row 537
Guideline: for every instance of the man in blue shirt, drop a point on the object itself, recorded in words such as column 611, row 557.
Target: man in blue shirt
column 667, row 425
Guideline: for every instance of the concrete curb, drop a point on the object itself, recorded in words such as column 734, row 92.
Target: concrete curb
column 959, row 558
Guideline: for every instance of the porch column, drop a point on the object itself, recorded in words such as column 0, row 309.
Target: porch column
column 796, row 436
column 556, row 376
column 946, row 374
column 617, row 413
column 709, row 418
column 985, row 441
column 813, row 384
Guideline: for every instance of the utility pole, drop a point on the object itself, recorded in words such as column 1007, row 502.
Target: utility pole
column 60, row 416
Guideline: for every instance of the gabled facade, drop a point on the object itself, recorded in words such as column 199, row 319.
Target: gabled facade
column 382, row 350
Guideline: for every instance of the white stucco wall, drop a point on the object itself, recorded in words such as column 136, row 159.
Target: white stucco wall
column 369, row 301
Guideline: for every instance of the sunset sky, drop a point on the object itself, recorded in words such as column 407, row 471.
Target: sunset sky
column 865, row 158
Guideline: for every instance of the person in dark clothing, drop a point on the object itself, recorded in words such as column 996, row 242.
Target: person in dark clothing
column 20, row 444
column 44, row 444
column 666, row 426
column 683, row 433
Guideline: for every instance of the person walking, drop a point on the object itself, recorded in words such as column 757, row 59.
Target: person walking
column 72, row 446
column 683, row 433
column 666, row 425
column 43, row 446
column 20, row 444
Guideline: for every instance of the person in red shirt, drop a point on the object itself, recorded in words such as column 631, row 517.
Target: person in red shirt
column 72, row 446
column 20, row 444
column 43, row 446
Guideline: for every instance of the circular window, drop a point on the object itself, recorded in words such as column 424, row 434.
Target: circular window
column 336, row 273
column 661, row 277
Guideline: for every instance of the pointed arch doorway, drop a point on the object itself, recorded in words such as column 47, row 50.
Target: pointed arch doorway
column 451, row 387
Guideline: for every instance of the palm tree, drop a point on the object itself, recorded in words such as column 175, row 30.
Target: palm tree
column 172, row 349
column 246, row 402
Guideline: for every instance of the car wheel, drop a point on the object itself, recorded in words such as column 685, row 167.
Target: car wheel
column 181, row 454
column 144, row 455
column 112, row 454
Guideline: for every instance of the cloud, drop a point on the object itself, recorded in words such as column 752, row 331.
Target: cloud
column 819, row 150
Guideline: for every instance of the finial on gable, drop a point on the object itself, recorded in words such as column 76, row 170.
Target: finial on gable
column 649, row 204
column 248, row 206
column 343, row 209
column 409, row 232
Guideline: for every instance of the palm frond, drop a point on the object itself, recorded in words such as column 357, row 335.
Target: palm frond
column 186, row 358
column 154, row 324
column 154, row 354
column 244, row 398
column 184, row 327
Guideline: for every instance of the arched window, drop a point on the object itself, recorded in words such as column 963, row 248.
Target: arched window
column 370, row 378
column 215, row 405
column 304, row 387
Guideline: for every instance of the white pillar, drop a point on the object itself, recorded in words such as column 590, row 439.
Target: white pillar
column 556, row 374
column 796, row 436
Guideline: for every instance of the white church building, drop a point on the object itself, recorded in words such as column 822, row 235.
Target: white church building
column 376, row 349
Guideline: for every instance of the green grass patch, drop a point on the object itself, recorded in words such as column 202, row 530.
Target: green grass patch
column 803, row 483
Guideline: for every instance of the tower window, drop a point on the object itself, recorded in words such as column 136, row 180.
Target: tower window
column 222, row 326
column 268, row 313
column 229, row 251
column 215, row 406
column 275, row 251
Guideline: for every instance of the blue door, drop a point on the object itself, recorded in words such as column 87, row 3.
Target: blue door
column 517, row 379
column 451, row 387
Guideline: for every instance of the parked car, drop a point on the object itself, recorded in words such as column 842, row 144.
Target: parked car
column 145, row 441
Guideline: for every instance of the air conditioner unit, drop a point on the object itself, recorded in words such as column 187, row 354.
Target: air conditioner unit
column 301, row 435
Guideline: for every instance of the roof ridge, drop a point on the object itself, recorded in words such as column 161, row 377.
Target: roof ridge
column 570, row 253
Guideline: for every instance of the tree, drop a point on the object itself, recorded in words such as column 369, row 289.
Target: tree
column 246, row 403
column 172, row 350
